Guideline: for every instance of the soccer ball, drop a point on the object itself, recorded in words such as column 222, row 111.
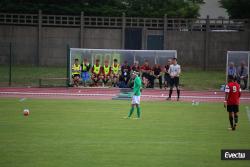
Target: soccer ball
column 26, row 112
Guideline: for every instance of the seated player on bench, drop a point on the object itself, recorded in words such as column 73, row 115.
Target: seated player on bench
column 157, row 74
column 85, row 67
column 242, row 75
column 125, row 75
column 232, row 70
column 106, row 72
column 76, row 70
column 146, row 75
column 115, row 73
column 136, row 67
column 96, row 72
column 166, row 74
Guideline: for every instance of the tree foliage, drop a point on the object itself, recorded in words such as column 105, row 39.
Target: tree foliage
column 139, row 8
column 237, row 8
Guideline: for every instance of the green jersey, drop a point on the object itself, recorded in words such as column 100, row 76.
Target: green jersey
column 137, row 86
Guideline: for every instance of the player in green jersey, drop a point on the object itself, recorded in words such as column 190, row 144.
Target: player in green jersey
column 136, row 95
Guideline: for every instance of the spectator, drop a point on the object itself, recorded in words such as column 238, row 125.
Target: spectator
column 76, row 70
column 106, row 72
column 232, row 70
column 147, row 78
column 125, row 74
column 242, row 74
column 96, row 72
column 157, row 75
column 85, row 67
column 166, row 75
column 115, row 72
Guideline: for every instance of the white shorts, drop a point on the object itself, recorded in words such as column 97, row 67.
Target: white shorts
column 136, row 99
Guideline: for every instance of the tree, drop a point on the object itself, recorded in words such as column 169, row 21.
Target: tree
column 237, row 9
column 157, row 8
column 133, row 8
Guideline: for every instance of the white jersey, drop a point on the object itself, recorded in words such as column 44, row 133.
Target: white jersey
column 174, row 70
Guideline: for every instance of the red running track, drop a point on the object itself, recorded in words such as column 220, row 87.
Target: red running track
column 109, row 93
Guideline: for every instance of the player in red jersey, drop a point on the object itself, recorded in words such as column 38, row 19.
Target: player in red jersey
column 232, row 101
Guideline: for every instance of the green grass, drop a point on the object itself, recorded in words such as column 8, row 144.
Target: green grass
column 92, row 133
column 202, row 80
column 29, row 76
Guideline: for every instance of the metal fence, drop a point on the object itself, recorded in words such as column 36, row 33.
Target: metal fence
column 170, row 24
column 16, row 75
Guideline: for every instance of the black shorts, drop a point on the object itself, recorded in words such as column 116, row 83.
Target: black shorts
column 167, row 77
column 75, row 75
column 233, row 108
column 174, row 82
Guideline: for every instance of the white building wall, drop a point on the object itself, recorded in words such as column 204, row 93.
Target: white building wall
column 213, row 9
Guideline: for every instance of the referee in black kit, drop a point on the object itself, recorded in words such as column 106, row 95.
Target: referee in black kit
column 174, row 72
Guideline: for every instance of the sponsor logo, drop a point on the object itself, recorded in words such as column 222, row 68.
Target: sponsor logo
column 235, row 154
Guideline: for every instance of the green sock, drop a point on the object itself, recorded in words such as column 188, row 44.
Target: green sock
column 131, row 112
column 138, row 112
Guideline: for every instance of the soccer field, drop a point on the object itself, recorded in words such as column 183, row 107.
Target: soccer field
column 94, row 134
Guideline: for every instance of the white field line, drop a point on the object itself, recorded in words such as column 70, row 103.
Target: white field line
column 110, row 95
column 52, row 94
column 135, row 142
column 146, row 142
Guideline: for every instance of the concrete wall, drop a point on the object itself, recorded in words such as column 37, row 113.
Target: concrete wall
column 24, row 43
column 221, row 42
column 190, row 45
column 103, row 38
column 54, row 42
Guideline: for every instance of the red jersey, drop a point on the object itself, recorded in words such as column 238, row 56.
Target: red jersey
column 234, row 92
column 146, row 68
column 137, row 69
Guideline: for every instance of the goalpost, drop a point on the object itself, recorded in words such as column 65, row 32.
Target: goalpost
column 237, row 57
column 153, row 56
